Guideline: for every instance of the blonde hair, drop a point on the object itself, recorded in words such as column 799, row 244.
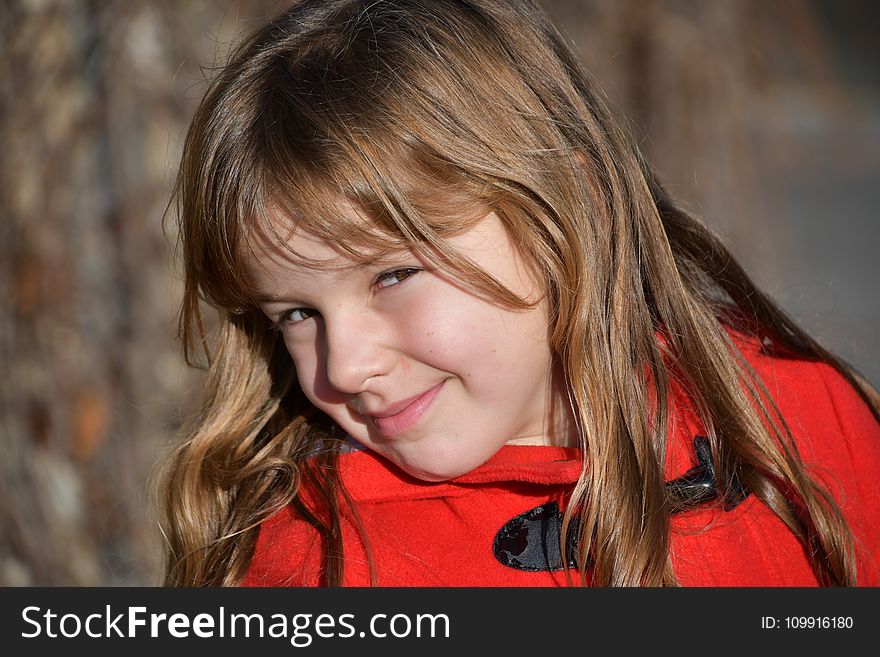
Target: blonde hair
column 481, row 103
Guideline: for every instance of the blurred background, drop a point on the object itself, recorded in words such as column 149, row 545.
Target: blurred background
column 764, row 117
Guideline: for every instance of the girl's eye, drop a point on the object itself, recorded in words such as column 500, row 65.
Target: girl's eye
column 295, row 315
column 392, row 278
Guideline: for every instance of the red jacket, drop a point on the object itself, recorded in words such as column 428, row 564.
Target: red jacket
column 473, row 530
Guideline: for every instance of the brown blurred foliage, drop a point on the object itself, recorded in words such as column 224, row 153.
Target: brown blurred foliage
column 94, row 101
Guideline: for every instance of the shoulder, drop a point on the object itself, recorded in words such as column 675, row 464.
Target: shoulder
column 836, row 434
column 816, row 400
column 838, row 440
column 290, row 550
column 288, row 553
column 828, row 419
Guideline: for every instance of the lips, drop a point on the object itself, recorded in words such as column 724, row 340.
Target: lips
column 403, row 415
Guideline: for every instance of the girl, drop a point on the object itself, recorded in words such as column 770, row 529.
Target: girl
column 466, row 337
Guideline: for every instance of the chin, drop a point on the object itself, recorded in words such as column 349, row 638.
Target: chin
column 433, row 475
column 435, row 468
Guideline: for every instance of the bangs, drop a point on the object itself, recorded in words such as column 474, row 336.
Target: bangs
column 368, row 203
column 368, row 197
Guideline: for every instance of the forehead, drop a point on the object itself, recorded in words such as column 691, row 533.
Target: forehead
column 319, row 235
column 278, row 247
column 298, row 251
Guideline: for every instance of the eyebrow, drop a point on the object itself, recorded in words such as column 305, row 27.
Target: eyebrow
column 263, row 298
column 377, row 262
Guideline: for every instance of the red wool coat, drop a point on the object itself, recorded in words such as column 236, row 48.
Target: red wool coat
column 473, row 530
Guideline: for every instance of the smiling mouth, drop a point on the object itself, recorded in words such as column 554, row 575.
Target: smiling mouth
column 391, row 425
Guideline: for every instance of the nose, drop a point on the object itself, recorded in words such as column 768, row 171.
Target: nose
column 356, row 350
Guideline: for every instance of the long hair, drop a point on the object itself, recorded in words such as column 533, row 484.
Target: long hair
column 425, row 115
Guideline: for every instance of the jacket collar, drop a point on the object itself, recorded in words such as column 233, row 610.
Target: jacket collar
column 369, row 477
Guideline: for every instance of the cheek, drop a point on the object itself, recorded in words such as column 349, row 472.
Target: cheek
column 467, row 336
column 440, row 325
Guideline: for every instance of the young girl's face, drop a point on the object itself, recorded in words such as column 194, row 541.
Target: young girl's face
column 413, row 364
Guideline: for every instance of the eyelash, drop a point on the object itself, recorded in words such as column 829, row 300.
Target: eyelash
column 399, row 276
